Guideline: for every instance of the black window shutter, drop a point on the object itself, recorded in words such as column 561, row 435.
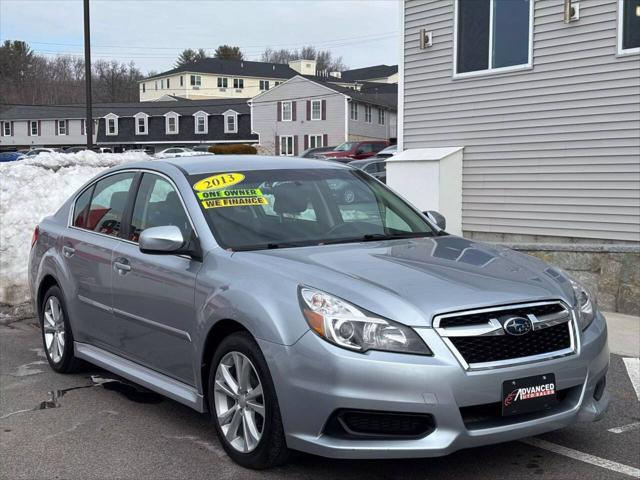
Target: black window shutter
column 308, row 110
column 39, row 131
column 12, row 128
column 277, row 144
column 324, row 109
column 28, row 128
column 295, row 144
column 325, row 140
column 57, row 125
column 293, row 111
column 306, row 142
column 279, row 114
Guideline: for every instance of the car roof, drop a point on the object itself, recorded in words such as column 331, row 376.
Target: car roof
column 199, row 164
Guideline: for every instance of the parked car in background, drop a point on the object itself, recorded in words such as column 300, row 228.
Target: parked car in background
column 80, row 148
column 245, row 287
column 388, row 152
column 355, row 150
column 313, row 152
column 177, row 152
column 148, row 151
column 374, row 166
column 37, row 151
column 11, row 156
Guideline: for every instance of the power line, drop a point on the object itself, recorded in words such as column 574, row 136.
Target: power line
column 282, row 45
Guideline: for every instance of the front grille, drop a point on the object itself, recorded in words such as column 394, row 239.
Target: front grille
column 505, row 347
column 482, row 317
column 485, row 338
column 369, row 424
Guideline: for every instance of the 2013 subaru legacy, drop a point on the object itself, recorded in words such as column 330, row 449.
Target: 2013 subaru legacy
column 249, row 288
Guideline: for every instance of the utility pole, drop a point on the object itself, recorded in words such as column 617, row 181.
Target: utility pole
column 87, row 76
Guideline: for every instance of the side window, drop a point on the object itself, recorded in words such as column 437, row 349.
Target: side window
column 158, row 204
column 81, row 208
column 108, row 203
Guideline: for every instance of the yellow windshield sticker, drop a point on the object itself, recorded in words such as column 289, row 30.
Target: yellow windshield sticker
column 238, row 192
column 218, row 182
column 234, row 202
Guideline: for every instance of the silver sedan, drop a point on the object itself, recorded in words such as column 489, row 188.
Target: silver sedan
column 248, row 287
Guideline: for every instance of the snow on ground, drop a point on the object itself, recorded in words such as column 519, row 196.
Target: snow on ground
column 30, row 190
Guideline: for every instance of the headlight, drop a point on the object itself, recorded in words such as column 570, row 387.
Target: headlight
column 349, row 327
column 585, row 302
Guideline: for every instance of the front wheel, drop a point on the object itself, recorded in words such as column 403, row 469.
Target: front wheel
column 244, row 405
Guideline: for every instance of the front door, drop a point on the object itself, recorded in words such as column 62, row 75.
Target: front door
column 153, row 295
column 87, row 249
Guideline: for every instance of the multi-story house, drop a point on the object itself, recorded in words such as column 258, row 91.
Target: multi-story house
column 218, row 78
column 545, row 101
column 149, row 125
column 23, row 126
column 307, row 112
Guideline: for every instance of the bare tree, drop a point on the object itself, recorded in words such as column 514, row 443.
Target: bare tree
column 324, row 58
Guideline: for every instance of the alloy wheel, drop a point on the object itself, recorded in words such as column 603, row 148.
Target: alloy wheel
column 54, row 332
column 239, row 402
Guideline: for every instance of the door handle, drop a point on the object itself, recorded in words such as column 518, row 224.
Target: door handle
column 122, row 266
column 68, row 251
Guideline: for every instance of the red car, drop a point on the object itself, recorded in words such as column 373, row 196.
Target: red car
column 355, row 150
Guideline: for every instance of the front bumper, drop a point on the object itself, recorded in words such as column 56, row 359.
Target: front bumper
column 314, row 378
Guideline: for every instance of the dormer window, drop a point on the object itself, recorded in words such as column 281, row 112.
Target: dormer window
column 230, row 121
column 171, row 123
column 111, row 121
column 142, row 123
column 201, row 124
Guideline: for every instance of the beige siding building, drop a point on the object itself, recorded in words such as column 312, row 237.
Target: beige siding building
column 548, row 112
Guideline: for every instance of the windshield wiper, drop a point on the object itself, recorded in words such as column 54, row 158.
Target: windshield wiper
column 374, row 237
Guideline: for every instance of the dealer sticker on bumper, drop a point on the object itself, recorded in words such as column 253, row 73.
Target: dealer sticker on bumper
column 530, row 394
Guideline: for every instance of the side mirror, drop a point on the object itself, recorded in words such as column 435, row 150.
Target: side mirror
column 436, row 218
column 166, row 239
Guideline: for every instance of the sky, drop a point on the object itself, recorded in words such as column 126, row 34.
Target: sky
column 152, row 33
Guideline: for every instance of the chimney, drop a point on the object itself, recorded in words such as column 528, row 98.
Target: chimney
column 303, row 67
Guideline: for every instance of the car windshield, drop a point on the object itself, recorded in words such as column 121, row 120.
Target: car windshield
column 389, row 151
column 344, row 147
column 260, row 209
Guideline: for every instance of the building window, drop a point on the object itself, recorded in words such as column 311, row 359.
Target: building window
column 628, row 26
column 353, row 111
column 286, row 112
column 6, row 129
column 144, row 88
column 238, row 83
column 492, row 35
column 381, row 118
column 230, row 122
column 367, row 113
column 275, row 84
column 171, row 123
column 196, row 80
column 223, row 82
column 156, row 84
column 201, row 126
column 181, row 80
column 34, row 131
column 162, row 84
column 315, row 141
column 264, row 85
column 112, row 125
column 142, row 123
column 168, row 83
column 286, row 145
column 61, row 126
column 316, row 109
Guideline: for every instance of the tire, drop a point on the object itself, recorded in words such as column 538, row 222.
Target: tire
column 56, row 332
column 270, row 449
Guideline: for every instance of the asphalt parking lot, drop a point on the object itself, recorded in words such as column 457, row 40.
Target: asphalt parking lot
column 88, row 426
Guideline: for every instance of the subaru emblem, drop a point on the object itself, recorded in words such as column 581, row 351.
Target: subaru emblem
column 517, row 325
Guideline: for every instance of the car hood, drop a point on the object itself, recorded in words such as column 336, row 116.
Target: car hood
column 418, row 277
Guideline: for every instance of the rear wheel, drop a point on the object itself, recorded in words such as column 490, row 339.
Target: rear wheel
column 244, row 405
column 57, row 337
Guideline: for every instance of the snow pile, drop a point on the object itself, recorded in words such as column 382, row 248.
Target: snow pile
column 30, row 190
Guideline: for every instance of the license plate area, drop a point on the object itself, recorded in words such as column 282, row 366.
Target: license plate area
column 529, row 394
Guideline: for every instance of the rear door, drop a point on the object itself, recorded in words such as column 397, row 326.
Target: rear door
column 153, row 295
column 87, row 250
